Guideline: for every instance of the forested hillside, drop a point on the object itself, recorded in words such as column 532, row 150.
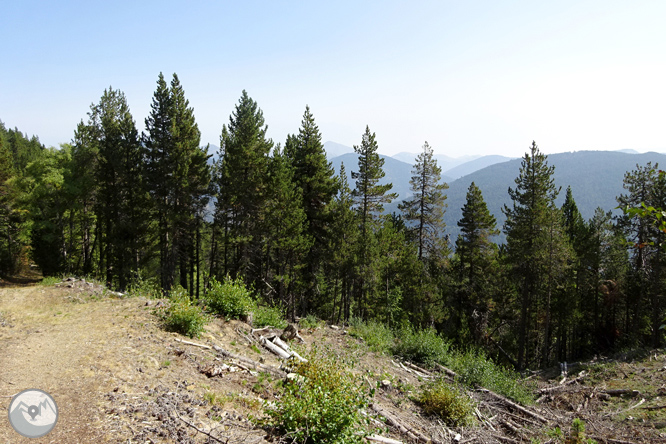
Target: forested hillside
column 595, row 177
column 128, row 203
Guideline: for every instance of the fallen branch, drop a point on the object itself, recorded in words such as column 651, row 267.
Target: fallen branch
column 610, row 440
column 620, row 392
column 208, row 347
column 655, row 407
column 448, row 372
column 261, row 330
column 382, row 439
column 515, row 406
column 641, row 402
column 253, row 364
column 567, row 383
column 201, row 431
column 244, row 336
column 404, row 428
column 418, row 369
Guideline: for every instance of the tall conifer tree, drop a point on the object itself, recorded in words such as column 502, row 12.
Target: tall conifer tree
column 533, row 250
column 477, row 256
column 425, row 210
column 369, row 199
column 242, row 191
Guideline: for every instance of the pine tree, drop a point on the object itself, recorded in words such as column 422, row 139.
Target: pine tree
column 477, row 256
column 639, row 184
column 122, row 204
column 315, row 177
column 242, row 191
column 646, row 304
column 287, row 242
column 342, row 247
column 178, row 177
column 7, row 242
column 192, row 176
column 369, row 198
column 425, row 210
column 533, row 229
column 158, row 143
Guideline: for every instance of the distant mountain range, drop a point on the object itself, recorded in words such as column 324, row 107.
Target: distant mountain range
column 595, row 178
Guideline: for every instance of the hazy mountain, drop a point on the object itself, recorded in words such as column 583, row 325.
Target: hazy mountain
column 595, row 178
column 334, row 149
column 474, row 165
column 443, row 161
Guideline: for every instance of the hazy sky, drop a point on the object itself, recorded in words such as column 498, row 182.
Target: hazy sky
column 470, row 77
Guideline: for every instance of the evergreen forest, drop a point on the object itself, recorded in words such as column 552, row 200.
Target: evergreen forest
column 132, row 204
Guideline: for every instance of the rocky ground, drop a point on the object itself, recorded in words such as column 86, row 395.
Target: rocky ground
column 117, row 376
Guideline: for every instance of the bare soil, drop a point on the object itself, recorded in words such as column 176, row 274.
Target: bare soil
column 117, row 376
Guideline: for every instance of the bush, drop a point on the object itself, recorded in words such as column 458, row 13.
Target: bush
column 321, row 407
column 476, row 369
column 376, row 335
column 182, row 316
column 49, row 281
column 423, row 346
column 148, row 288
column 310, row 321
column 229, row 298
column 272, row 316
column 448, row 402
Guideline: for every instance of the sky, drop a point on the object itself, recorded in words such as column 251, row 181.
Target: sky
column 469, row 77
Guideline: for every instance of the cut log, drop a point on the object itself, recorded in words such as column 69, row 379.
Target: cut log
column 277, row 341
column 289, row 332
column 252, row 364
column 273, row 348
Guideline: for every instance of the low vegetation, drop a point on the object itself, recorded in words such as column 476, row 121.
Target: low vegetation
column 183, row 316
column 448, row 402
column 229, row 298
column 322, row 406
column 473, row 367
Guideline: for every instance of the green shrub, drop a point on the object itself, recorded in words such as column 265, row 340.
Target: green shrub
column 448, row 402
column 182, row 316
column 272, row 316
column 148, row 288
column 49, row 281
column 475, row 368
column 229, row 298
column 321, row 407
column 577, row 435
column 423, row 346
column 376, row 335
column 310, row 321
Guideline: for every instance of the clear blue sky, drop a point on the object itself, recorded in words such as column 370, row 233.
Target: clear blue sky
column 470, row 77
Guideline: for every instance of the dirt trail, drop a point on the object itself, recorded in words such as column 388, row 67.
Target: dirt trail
column 115, row 375
column 51, row 343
